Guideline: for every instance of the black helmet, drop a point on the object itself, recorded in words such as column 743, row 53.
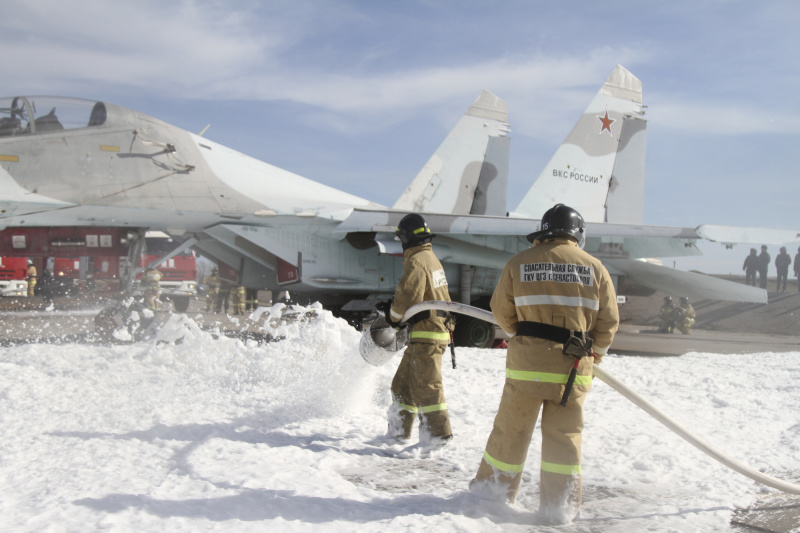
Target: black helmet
column 413, row 231
column 667, row 299
column 684, row 300
column 561, row 221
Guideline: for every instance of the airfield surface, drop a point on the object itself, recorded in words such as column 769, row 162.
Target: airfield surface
column 722, row 327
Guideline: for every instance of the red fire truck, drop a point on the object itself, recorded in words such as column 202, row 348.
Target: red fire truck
column 13, row 276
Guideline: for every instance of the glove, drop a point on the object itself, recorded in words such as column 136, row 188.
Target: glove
column 386, row 309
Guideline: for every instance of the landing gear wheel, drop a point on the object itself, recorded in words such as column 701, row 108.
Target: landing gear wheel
column 473, row 333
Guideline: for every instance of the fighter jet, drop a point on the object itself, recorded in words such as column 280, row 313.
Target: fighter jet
column 93, row 165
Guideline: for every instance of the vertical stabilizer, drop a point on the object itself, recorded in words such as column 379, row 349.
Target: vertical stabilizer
column 599, row 168
column 468, row 174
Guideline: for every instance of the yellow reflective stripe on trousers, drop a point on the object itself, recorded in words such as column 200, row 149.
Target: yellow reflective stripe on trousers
column 434, row 335
column 424, row 409
column 567, row 470
column 433, row 408
column 500, row 465
column 546, row 377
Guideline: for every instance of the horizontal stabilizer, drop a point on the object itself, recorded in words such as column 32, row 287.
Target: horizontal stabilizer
column 734, row 235
column 679, row 283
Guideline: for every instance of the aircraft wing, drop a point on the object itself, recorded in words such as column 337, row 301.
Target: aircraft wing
column 491, row 241
column 734, row 235
column 680, row 283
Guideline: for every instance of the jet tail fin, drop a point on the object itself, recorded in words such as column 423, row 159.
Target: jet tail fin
column 468, row 173
column 599, row 168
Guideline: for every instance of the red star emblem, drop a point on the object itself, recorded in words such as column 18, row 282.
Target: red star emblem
column 607, row 122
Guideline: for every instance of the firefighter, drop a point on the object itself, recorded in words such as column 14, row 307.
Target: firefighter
column 223, row 296
column 560, row 304
column 417, row 388
column 667, row 316
column 212, row 282
column 152, row 288
column 685, row 316
column 238, row 295
column 31, row 278
column 251, row 299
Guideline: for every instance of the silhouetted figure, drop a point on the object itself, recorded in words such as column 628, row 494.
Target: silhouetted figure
column 797, row 268
column 763, row 266
column 782, row 263
column 46, row 287
column 750, row 267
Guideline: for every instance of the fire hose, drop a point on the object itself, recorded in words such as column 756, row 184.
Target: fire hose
column 376, row 350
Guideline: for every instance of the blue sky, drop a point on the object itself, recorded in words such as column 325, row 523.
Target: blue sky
column 358, row 94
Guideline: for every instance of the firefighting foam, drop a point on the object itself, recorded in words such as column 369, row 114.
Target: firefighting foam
column 192, row 431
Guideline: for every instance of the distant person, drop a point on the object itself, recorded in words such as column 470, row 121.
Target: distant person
column 667, row 315
column 212, row 290
column 31, row 279
column 151, row 282
column 763, row 266
column 686, row 316
column 750, row 267
column 782, row 263
column 46, row 287
column 797, row 268
column 223, row 297
column 251, row 299
column 238, row 296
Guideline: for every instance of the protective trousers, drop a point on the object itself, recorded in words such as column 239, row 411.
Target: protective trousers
column 507, row 448
column 417, row 389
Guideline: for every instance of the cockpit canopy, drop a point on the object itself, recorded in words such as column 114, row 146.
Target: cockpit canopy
column 31, row 115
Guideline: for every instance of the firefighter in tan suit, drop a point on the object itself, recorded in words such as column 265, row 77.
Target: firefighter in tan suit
column 417, row 388
column 553, row 290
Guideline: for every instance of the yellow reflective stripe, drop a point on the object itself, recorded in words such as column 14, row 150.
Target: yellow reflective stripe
column 546, row 377
column 433, row 408
column 435, row 335
column 500, row 465
column 567, row 470
column 420, row 230
column 409, row 408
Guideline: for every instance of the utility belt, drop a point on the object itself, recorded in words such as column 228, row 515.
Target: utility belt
column 433, row 313
column 576, row 343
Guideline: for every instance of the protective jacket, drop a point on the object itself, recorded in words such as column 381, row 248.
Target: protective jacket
column 555, row 283
column 423, row 280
